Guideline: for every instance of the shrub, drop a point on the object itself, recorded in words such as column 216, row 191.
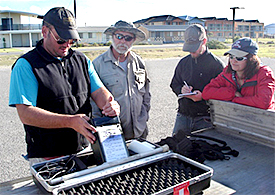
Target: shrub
column 236, row 38
column 214, row 44
column 108, row 43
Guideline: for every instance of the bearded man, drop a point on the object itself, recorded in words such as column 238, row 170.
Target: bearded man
column 124, row 74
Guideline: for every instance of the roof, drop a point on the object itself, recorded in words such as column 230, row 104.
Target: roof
column 213, row 18
column 158, row 19
column 168, row 28
column 20, row 12
column 256, row 21
column 186, row 17
column 209, row 18
column 92, row 28
column 270, row 25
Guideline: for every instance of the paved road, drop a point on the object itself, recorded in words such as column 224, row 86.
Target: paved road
column 162, row 115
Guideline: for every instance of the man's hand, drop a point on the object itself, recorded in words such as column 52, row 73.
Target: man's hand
column 197, row 97
column 111, row 108
column 79, row 123
column 39, row 117
column 186, row 89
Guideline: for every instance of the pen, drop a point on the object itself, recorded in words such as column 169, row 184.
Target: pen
column 186, row 84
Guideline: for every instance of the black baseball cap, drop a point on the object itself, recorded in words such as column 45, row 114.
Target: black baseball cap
column 63, row 21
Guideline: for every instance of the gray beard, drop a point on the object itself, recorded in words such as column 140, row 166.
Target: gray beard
column 121, row 51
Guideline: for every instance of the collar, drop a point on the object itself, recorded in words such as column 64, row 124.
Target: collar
column 202, row 56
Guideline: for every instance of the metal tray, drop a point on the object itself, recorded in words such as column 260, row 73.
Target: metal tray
column 163, row 173
column 83, row 164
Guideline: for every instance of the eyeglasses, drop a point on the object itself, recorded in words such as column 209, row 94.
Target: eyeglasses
column 239, row 59
column 62, row 41
column 125, row 37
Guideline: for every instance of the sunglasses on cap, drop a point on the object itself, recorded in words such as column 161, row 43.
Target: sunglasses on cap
column 125, row 37
column 62, row 41
column 239, row 59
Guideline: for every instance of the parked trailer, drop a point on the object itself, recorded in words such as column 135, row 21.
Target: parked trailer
column 246, row 129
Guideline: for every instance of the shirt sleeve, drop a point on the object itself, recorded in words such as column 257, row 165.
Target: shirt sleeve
column 264, row 91
column 23, row 84
column 94, row 78
column 219, row 89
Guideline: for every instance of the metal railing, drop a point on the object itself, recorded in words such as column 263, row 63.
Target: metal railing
column 20, row 27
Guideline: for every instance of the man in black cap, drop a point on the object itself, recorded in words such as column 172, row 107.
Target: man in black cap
column 51, row 87
column 192, row 73
column 124, row 74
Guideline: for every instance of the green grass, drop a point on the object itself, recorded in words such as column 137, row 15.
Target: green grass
column 8, row 60
column 265, row 50
column 9, row 50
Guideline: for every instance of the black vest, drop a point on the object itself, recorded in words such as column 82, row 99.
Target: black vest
column 64, row 88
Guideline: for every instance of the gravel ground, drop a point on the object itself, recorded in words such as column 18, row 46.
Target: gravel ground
column 162, row 116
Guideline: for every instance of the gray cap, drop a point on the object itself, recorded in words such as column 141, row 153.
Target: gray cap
column 126, row 27
column 193, row 37
column 63, row 21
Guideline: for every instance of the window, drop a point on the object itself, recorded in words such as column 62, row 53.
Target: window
column 180, row 34
column 7, row 24
column 211, row 27
column 227, row 27
column 91, row 35
column 240, row 28
column 219, row 27
column 81, row 35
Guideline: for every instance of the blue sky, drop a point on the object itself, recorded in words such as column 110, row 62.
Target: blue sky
column 107, row 12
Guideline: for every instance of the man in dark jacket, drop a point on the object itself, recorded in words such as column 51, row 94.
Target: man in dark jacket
column 192, row 73
column 52, row 86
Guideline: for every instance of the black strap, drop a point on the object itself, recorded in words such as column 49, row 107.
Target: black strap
column 235, row 80
column 210, row 138
column 220, row 153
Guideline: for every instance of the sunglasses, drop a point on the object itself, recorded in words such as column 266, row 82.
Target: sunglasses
column 239, row 59
column 125, row 37
column 62, row 41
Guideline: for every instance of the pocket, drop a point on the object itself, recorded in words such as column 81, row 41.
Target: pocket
column 140, row 77
column 112, row 83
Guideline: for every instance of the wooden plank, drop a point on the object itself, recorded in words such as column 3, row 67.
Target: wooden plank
column 249, row 122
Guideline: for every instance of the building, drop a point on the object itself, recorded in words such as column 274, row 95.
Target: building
column 218, row 27
column 222, row 28
column 269, row 30
column 249, row 28
column 93, row 34
column 166, row 28
column 23, row 29
column 19, row 29
column 170, row 29
column 192, row 20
